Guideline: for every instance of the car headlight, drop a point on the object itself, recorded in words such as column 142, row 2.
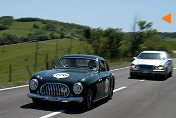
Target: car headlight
column 77, row 88
column 134, row 66
column 159, row 67
column 33, row 84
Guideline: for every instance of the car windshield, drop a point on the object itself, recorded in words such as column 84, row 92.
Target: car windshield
column 80, row 63
column 158, row 56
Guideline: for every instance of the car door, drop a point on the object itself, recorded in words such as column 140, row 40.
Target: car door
column 169, row 62
column 104, row 72
column 99, row 86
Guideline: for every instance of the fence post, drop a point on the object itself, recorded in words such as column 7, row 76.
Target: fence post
column 56, row 50
column 52, row 63
column 36, row 54
column 10, row 72
column 47, row 64
column 29, row 71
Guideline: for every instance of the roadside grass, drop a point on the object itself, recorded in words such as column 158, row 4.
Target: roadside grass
column 118, row 63
column 22, row 55
column 170, row 40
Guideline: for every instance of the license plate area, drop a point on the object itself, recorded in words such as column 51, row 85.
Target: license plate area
column 52, row 98
column 145, row 71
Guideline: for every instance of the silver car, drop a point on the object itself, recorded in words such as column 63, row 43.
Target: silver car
column 152, row 63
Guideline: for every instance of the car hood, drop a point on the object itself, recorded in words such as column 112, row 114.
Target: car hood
column 148, row 62
column 65, row 76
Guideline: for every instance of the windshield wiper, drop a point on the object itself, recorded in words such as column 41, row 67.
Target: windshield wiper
column 62, row 64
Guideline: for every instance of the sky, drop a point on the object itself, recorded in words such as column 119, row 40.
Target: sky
column 95, row 13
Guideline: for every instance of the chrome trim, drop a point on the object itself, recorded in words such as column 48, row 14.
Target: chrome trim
column 54, row 89
column 158, row 70
column 60, row 99
column 100, row 98
column 35, row 80
column 81, row 86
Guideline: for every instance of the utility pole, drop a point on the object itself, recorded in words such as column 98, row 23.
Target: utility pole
column 47, row 64
column 10, row 73
column 36, row 54
column 56, row 50
column 28, row 70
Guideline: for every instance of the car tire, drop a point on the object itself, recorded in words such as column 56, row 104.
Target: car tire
column 87, row 103
column 132, row 75
column 170, row 74
column 37, row 102
column 165, row 76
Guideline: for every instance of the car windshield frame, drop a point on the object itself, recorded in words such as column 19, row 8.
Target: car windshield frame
column 153, row 56
column 76, row 67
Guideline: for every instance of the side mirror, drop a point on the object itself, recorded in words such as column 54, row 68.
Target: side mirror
column 134, row 58
column 169, row 59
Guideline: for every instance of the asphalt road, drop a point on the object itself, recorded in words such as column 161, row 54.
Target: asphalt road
column 133, row 98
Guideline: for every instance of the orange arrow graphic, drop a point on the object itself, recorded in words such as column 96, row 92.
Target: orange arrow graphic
column 167, row 18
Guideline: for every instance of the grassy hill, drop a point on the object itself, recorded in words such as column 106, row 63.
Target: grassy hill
column 172, row 40
column 29, row 29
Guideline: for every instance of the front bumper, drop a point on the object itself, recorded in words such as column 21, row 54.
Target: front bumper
column 55, row 98
column 148, row 72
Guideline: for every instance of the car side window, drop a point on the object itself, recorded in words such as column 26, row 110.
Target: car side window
column 107, row 67
column 168, row 56
column 103, row 66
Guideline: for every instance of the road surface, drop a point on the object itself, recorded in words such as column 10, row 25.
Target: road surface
column 133, row 98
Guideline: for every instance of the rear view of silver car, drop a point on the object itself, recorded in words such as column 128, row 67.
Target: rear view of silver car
column 152, row 63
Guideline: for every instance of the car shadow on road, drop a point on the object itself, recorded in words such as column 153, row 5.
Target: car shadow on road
column 150, row 78
column 69, row 108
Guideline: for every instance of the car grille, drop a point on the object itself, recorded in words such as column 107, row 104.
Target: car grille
column 146, row 66
column 54, row 89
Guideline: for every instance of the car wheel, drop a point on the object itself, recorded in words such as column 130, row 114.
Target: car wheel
column 165, row 76
column 37, row 102
column 87, row 103
column 132, row 75
column 170, row 74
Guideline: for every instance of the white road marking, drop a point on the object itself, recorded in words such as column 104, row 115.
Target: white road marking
column 174, row 68
column 119, row 69
column 141, row 80
column 14, row 87
column 52, row 114
column 118, row 89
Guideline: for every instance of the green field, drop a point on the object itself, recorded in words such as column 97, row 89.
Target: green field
column 170, row 40
column 21, row 29
column 22, row 55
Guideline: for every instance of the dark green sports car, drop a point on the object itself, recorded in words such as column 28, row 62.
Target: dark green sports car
column 75, row 78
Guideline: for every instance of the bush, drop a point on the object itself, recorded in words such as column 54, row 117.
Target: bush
column 6, row 39
column 5, row 22
column 28, row 19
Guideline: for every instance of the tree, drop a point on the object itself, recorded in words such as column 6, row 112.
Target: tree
column 106, row 43
column 87, row 32
column 114, row 37
column 145, row 32
column 50, row 26
column 35, row 26
column 6, row 39
column 5, row 22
